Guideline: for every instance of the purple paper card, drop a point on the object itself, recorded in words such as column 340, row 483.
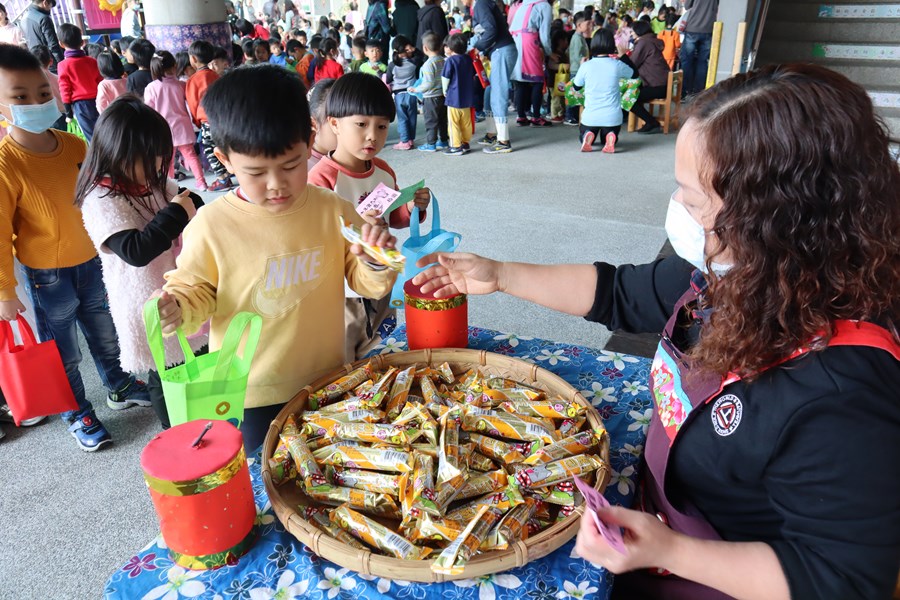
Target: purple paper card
column 595, row 500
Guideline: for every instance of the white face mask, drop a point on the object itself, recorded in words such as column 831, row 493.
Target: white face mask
column 688, row 237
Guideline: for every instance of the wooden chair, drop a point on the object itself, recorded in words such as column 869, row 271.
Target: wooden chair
column 670, row 105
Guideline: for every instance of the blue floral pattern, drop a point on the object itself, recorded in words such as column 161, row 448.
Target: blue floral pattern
column 279, row 566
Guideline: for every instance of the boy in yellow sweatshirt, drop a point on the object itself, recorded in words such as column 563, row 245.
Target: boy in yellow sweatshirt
column 273, row 246
column 42, row 227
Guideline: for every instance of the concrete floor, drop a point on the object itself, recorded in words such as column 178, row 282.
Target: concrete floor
column 69, row 519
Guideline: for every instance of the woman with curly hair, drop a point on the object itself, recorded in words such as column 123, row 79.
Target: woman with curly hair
column 771, row 459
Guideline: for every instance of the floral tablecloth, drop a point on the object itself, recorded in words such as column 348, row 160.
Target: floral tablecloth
column 279, row 567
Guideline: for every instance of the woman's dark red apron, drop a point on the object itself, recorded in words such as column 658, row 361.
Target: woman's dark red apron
column 678, row 399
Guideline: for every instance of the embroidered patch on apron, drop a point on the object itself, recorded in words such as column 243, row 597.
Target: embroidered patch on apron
column 726, row 414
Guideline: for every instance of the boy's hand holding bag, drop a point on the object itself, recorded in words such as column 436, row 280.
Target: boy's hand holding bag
column 211, row 386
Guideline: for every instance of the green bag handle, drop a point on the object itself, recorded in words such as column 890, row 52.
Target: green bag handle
column 227, row 354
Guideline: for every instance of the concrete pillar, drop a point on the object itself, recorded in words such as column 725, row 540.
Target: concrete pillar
column 174, row 24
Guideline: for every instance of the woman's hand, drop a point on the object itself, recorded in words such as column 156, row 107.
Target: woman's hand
column 10, row 309
column 459, row 274
column 185, row 201
column 648, row 541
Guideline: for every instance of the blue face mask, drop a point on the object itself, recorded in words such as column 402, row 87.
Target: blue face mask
column 34, row 118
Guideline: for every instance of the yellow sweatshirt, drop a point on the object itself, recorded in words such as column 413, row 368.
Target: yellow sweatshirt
column 38, row 216
column 290, row 269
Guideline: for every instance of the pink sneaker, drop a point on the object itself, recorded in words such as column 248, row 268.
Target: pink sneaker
column 610, row 147
column 587, row 142
column 404, row 145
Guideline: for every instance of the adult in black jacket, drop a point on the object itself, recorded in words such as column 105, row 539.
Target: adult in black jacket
column 39, row 29
column 770, row 468
column 405, row 18
column 378, row 26
column 431, row 19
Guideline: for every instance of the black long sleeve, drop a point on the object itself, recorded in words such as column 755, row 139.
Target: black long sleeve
column 139, row 248
column 639, row 298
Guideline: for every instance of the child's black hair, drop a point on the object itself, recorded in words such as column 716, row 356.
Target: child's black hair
column 162, row 62
column 261, row 43
column 431, row 42
column 42, row 53
column 246, row 109
column 456, row 43
column 671, row 19
column 579, row 17
column 451, row 24
column 293, row 45
column 557, row 39
column 360, row 94
column 324, row 52
column 203, row 51
column 110, row 65
column 359, row 42
column 399, row 45
column 603, row 43
column 244, row 27
column 373, row 43
column 349, row 28
column 220, row 53
column 334, row 34
column 128, row 133
column 642, row 27
column 275, row 42
column 142, row 51
column 125, row 42
column 627, row 20
column 315, row 42
column 70, row 36
column 182, row 62
column 247, row 49
column 318, row 99
column 116, row 46
column 16, row 58
column 93, row 50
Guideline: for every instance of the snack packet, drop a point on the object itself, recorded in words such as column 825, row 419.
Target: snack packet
column 549, row 474
column 399, row 392
column 512, row 527
column 416, row 413
column 506, row 425
column 549, row 409
column 571, row 426
column 580, row 443
column 481, row 484
column 380, row 505
column 429, row 391
column 318, row 517
column 376, row 433
column 435, row 529
column 281, row 465
column 386, row 256
column 423, row 495
column 452, row 560
column 371, row 459
column 310, row 475
column 376, row 535
column 333, row 391
column 370, row 481
column 378, row 392
column 496, row 449
column 317, row 424
column 506, row 499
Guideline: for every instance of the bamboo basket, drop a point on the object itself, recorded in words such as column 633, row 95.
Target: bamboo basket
column 286, row 498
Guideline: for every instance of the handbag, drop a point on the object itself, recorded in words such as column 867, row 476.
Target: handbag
column 630, row 90
column 211, row 386
column 574, row 97
column 418, row 246
column 560, row 81
column 32, row 375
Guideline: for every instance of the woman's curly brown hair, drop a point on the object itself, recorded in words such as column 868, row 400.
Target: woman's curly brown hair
column 811, row 213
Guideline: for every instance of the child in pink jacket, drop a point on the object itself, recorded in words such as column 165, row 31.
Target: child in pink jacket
column 165, row 95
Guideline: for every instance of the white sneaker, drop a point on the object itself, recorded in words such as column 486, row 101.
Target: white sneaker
column 7, row 417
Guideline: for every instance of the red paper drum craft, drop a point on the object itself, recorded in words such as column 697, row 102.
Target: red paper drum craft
column 433, row 322
column 202, row 494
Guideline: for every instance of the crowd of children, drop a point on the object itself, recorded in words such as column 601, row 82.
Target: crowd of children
column 141, row 109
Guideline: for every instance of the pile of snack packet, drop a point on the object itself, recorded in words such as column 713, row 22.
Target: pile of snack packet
column 464, row 465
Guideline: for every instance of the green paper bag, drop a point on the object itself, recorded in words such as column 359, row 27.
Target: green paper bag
column 211, row 386
column 630, row 89
column 74, row 128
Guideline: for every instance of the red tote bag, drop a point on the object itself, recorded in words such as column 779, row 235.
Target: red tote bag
column 32, row 375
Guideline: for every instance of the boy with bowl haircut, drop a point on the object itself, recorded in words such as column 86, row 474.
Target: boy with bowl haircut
column 272, row 247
